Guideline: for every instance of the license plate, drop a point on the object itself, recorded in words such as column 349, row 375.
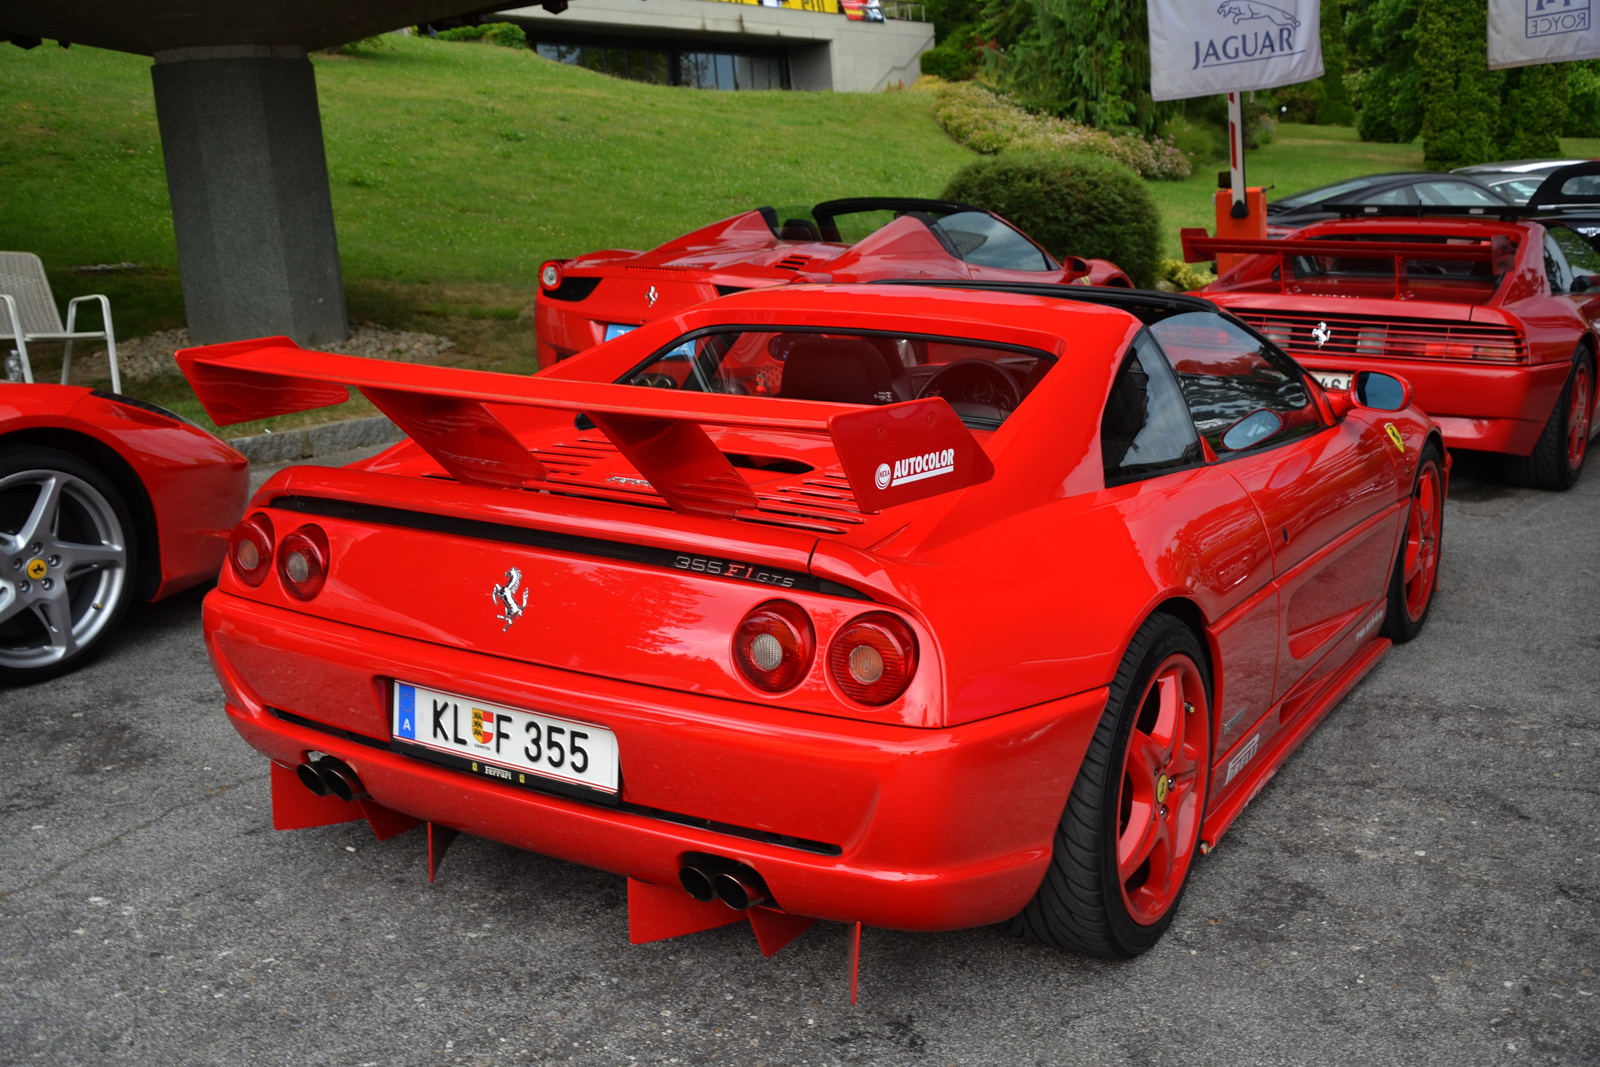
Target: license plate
column 1334, row 381
column 515, row 746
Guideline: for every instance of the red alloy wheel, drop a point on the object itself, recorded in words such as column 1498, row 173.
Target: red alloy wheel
column 1578, row 416
column 1422, row 541
column 1164, row 778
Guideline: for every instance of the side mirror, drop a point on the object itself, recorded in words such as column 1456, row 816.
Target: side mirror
column 1381, row 392
column 1581, row 284
column 1076, row 267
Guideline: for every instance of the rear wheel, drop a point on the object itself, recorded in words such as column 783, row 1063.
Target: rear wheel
column 1416, row 570
column 1557, row 460
column 65, row 562
column 1131, row 828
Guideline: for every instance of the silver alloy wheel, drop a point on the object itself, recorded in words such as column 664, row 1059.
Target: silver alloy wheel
column 62, row 571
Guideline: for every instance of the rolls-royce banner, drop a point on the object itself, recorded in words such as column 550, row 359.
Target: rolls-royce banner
column 1522, row 32
column 1197, row 49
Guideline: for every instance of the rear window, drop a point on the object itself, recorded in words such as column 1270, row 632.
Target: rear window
column 983, row 382
column 1476, row 272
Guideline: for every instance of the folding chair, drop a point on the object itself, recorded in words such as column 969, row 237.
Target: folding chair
column 31, row 315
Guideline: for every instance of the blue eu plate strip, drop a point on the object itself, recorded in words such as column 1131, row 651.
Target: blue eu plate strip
column 408, row 711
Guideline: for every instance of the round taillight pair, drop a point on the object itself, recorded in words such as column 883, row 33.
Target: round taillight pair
column 873, row 658
column 303, row 562
column 550, row 275
column 774, row 645
column 250, row 549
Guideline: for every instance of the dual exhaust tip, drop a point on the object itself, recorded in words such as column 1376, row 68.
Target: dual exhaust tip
column 708, row 878
column 328, row 776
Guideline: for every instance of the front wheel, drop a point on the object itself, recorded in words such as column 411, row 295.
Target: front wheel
column 1132, row 824
column 1416, row 570
column 65, row 562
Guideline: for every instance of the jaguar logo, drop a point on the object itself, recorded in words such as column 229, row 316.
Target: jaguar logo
column 1321, row 334
column 651, row 297
column 1244, row 10
column 505, row 598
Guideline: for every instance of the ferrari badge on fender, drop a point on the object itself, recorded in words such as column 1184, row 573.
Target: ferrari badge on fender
column 1394, row 435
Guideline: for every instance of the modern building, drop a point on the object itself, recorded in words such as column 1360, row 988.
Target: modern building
column 858, row 46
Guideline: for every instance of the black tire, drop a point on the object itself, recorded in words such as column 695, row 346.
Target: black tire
column 1549, row 465
column 1080, row 904
column 1402, row 619
column 82, row 574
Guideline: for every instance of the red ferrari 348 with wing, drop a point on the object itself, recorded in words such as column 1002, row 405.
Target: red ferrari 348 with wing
column 596, row 297
column 1494, row 322
column 103, row 499
column 987, row 605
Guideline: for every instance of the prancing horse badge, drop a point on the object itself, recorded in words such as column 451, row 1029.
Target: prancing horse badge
column 505, row 597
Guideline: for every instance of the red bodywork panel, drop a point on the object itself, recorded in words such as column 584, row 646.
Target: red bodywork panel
column 1022, row 578
column 741, row 253
column 1487, row 361
column 195, row 484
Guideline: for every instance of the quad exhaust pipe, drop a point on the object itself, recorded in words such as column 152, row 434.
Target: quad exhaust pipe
column 328, row 776
column 707, row 878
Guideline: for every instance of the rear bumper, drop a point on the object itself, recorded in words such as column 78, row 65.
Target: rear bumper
column 933, row 829
column 1489, row 408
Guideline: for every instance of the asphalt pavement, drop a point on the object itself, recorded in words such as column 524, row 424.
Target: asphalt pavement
column 1418, row 885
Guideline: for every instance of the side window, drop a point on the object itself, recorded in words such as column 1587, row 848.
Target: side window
column 1401, row 195
column 1146, row 427
column 1555, row 265
column 1454, row 194
column 1582, row 260
column 1242, row 393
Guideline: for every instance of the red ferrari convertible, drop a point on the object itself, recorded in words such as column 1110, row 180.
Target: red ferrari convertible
column 599, row 296
column 984, row 605
column 1493, row 322
column 103, row 498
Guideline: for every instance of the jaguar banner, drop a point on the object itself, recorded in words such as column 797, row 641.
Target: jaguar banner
column 1522, row 32
column 1201, row 49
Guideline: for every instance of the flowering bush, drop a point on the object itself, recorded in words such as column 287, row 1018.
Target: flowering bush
column 988, row 124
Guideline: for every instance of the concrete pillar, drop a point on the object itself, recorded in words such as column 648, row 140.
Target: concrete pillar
column 248, row 180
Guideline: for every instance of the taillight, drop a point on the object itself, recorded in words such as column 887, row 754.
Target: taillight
column 550, row 275
column 303, row 562
column 250, row 549
column 774, row 645
column 873, row 658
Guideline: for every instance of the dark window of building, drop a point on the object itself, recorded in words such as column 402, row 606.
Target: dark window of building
column 700, row 70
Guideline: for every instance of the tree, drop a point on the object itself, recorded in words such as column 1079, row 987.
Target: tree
column 1533, row 111
column 1461, row 96
column 1381, row 40
column 1334, row 108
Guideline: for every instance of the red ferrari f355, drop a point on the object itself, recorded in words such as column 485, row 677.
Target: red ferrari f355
column 598, row 296
column 916, row 606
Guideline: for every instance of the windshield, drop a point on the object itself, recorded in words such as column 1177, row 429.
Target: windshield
column 983, row 382
column 977, row 236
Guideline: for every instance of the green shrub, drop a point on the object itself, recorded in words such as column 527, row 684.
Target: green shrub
column 1079, row 205
column 1177, row 276
column 1532, row 112
column 1200, row 142
column 507, row 34
column 1583, row 99
column 955, row 58
column 987, row 123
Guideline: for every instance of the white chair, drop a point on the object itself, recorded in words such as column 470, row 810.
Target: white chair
column 31, row 315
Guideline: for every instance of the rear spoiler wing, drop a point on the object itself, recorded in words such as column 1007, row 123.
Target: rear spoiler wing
column 1499, row 253
column 891, row 455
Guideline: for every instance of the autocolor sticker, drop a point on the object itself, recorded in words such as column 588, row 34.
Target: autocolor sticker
column 902, row 452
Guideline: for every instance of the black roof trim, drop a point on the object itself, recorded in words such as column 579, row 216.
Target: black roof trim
column 1133, row 301
column 1500, row 213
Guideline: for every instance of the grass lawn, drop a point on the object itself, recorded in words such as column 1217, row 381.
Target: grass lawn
column 457, row 168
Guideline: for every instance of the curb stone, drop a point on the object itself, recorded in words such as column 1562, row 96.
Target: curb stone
column 341, row 436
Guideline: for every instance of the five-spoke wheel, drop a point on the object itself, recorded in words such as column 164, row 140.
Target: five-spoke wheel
column 1416, row 569
column 1131, row 828
column 64, row 561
